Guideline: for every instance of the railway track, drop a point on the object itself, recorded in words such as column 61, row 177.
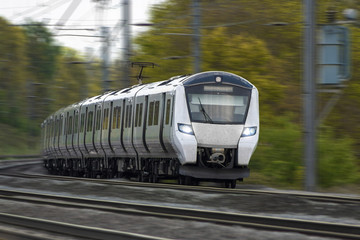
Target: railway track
column 319, row 197
column 325, row 229
column 84, row 232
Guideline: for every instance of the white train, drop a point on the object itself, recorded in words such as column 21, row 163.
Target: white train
column 194, row 127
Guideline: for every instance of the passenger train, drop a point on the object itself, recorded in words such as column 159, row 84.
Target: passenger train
column 196, row 127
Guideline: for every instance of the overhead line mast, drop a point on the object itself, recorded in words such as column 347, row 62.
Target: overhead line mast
column 196, row 35
column 309, row 95
column 127, row 46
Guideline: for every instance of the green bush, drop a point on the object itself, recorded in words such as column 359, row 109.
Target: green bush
column 279, row 156
column 337, row 161
column 279, row 153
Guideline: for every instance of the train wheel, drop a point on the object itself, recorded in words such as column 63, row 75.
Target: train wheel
column 195, row 182
column 188, row 180
column 140, row 176
column 233, row 183
column 230, row 184
column 181, row 180
column 154, row 178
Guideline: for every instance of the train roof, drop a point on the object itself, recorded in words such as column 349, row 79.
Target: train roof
column 217, row 76
column 161, row 86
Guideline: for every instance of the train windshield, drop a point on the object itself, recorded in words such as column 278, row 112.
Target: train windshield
column 217, row 103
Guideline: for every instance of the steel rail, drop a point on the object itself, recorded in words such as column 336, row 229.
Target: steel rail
column 72, row 229
column 343, row 231
column 323, row 197
column 310, row 196
column 17, row 234
column 20, row 156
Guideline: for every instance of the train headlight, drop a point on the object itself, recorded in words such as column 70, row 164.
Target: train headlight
column 249, row 131
column 185, row 128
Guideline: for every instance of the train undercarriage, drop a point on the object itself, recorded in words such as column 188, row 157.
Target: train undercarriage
column 142, row 170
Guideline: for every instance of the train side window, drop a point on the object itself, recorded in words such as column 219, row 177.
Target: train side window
column 140, row 114
column 98, row 118
column 61, row 125
column 118, row 118
column 156, row 116
column 127, row 116
column 151, row 114
column 87, row 124
column 130, row 115
column 114, row 117
column 58, row 133
column 137, row 115
column 106, row 119
column 76, row 123
column 167, row 116
column 82, row 122
column 50, row 127
column 56, row 128
column 49, row 130
column 70, row 125
column 66, row 124
column 90, row 121
column 97, row 124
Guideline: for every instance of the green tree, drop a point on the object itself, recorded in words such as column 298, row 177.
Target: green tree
column 246, row 56
column 12, row 75
column 42, row 53
column 71, row 79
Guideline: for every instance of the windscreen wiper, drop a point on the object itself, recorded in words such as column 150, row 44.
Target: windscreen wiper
column 206, row 116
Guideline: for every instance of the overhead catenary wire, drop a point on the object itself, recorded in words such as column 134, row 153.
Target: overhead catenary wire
column 69, row 11
column 47, row 10
column 34, row 9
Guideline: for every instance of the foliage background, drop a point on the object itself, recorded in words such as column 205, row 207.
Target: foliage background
column 37, row 77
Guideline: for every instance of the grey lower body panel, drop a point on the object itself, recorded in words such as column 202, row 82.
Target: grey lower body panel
column 215, row 173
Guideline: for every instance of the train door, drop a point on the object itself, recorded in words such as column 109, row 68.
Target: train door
column 152, row 136
column 127, row 127
column 75, row 136
column 89, row 129
column 106, row 126
column 115, row 132
column 50, row 145
column 122, row 125
column 54, row 133
column 97, row 130
column 139, row 125
column 68, row 132
column 82, row 135
column 61, row 143
column 167, row 121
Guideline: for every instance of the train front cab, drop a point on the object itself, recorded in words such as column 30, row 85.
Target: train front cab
column 218, row 130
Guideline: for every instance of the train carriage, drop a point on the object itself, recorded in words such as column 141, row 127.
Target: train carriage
column 193, row 127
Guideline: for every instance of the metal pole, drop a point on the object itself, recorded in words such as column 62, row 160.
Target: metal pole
column 309, row 95
column 127, row 46
column 105, row 57
column 89, row 53
column 196, row 37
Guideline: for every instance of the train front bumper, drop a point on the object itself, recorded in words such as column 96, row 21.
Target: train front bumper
column 214, row 173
